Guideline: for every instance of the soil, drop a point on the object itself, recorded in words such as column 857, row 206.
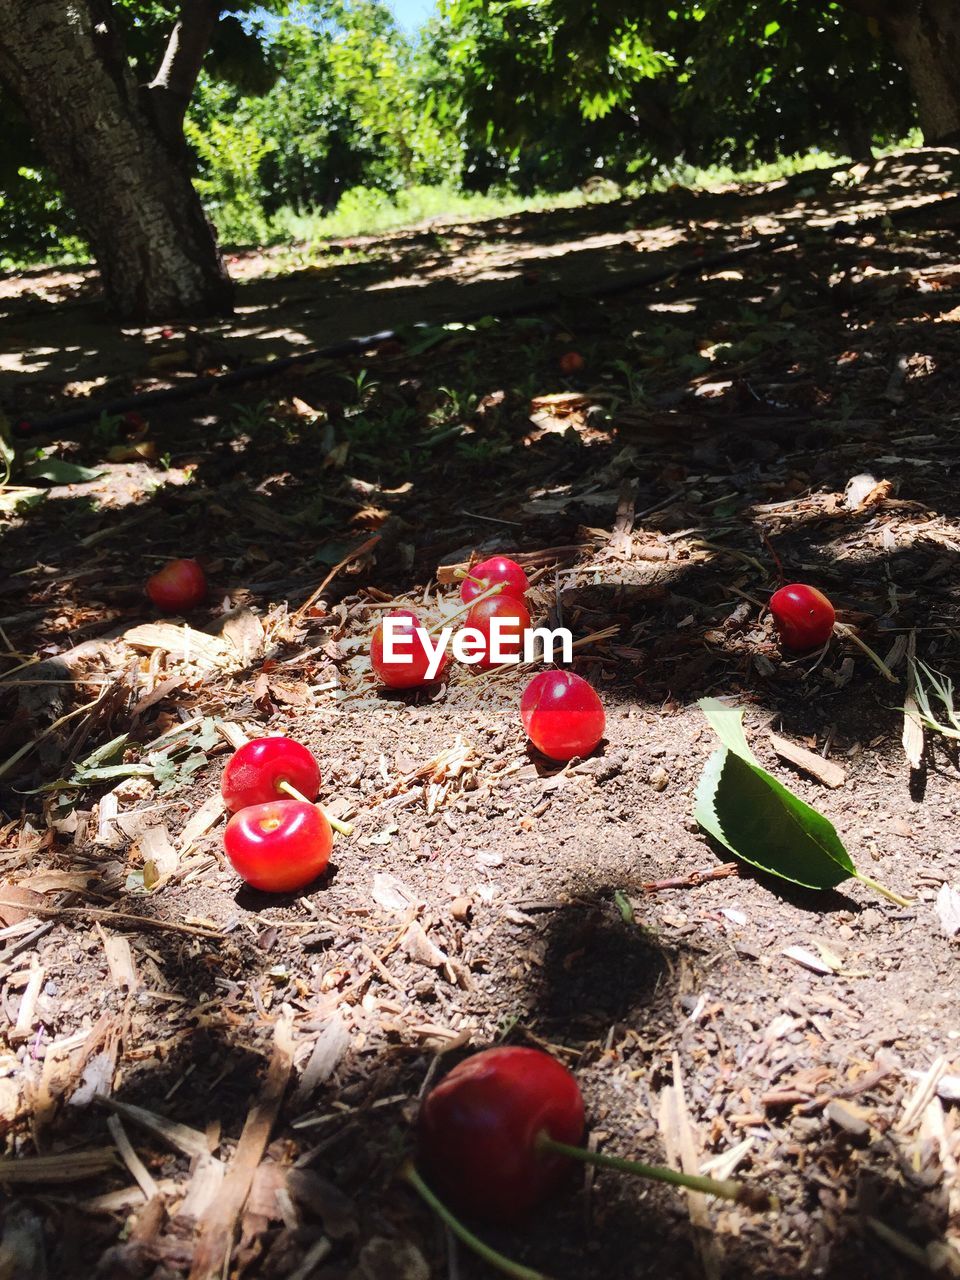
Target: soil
column 803, row 1041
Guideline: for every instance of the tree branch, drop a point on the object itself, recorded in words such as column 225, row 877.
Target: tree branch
column 169, row 92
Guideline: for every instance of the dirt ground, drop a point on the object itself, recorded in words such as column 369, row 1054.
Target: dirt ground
column 712, row 447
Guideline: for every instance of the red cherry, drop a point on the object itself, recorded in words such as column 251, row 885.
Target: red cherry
column 488, row 573
column 478, row 1130
column 515, row 619
column 397, row 674
column 571, row 362
column 179, row 585
column 803, row 616
column 278, row 846
column 253, row 772
column 562, row 714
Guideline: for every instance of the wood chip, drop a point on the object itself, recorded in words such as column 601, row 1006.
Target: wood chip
column 825, row 771
column 181, row 642
column 421, row 949
column 853, row 1120
column 23, row 1028
column 244, row 631
column 216, row 1234
column 809, row 961
column 680, row 1143
column 138, row 1171
column 123, row 971
column 179, row 1136
column 332, row 1043
column 948, row 910
column 67, row 1166
column 205, row 1184
column 156, row 849
column 199, row 823
column 921, row 1096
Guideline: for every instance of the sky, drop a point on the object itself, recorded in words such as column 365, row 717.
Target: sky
column 411, row 13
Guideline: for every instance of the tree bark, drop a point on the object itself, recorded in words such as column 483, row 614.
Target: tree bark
column 925, row 35
column 129, row 185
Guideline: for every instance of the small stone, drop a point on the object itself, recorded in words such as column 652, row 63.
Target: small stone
column 869, row 919
column 659, row 778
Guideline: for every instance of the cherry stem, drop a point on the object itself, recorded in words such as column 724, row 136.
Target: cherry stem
column 345, row 828
column 462, row 573
column 485, row 1251
column 458, row 613
column 726, row 1189
column 882, row 890
column 848, row 633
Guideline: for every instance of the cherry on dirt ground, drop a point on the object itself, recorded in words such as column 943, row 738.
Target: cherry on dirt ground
column 254, row 772
column 180, row 585
column 396, row 673
column 279, row 846
column 498, row 569
column 515, row 619
column 562, row 715
column 478, row 1129
column 571, row 362
column 803, row 616
column 498, row 1134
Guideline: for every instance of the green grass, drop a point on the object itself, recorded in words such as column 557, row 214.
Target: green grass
column 364, row 211
column 720, row 175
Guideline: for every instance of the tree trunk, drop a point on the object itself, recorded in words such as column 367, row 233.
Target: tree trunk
column 925, row 35
column 132, row 193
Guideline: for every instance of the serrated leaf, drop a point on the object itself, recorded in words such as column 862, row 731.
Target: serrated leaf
column 727, row 723
column 763, row 823
column 760, row 821
column 59, row 472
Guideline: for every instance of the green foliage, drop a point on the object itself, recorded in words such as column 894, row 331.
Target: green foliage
column 346, row 111
column 323, row 117
column 230, row 152
column 363, row 210
column 552, row 90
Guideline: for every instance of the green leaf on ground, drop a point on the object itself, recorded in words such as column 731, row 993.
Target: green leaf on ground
column 59, row 472
column 753, row 815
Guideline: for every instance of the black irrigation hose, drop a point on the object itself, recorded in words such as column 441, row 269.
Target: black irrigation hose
column 352, row 346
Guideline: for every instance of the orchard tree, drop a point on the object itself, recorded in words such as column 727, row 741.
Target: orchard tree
column 705, row 81
column 925, row 35
column 104, row 88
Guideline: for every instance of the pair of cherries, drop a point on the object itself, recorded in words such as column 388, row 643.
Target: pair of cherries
column 509, row 604
column 278, row 839
column 561, row 713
